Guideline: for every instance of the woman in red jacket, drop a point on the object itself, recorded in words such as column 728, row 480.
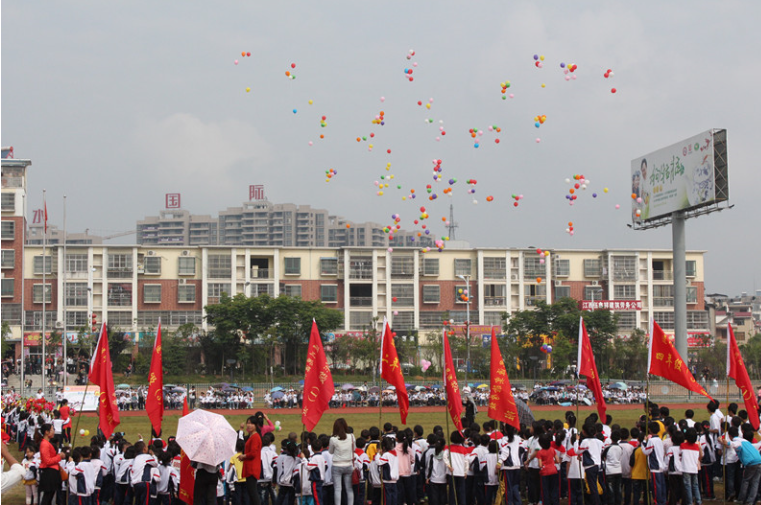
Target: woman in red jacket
column 252, row 458
column 50, row 472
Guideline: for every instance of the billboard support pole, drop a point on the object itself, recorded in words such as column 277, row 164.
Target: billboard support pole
column 680, row 283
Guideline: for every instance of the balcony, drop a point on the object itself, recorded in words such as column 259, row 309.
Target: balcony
column 531, row 301
column 260, row 273
column 495, row 301
column 663, row 275
column 361, row 301
column 663, row 301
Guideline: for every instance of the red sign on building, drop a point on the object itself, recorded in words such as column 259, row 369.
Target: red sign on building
column 611, row 304
column 256, row 192
column 172, row 200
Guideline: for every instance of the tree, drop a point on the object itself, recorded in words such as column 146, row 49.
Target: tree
column 629, row 356
column 242, row 321
column 6, row 332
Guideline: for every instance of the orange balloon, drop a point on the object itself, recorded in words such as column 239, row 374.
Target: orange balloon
column 348, row 225
column 634, row 196
column 288, row 73
column 539, row 280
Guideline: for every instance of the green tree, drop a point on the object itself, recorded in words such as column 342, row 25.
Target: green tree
column 6, row 333
column 629, row 356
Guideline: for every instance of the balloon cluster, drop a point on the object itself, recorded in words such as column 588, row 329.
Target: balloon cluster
column 569, row 70
column 517, row 199
column 290, row 74
column 427, row 106
column 330, row 174
column 546, row 348
column 538, row 61
column 379, row 119
column 408, row 71
column 539, row 120
column 542, row 255
column 577, row 183
column 504, row 85
column 475, row 133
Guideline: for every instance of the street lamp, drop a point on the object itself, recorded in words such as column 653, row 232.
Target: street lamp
column 466, row 278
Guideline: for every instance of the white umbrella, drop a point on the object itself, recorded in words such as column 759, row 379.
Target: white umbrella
column 206, row 437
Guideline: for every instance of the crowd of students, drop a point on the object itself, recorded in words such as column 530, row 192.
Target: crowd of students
column 659, row 460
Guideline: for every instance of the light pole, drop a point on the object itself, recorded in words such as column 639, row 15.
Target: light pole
column 466, row 278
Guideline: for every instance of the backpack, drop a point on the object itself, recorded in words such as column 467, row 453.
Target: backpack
column 672, row 465
column 632, row 458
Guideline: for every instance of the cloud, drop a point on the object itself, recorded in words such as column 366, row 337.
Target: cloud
column 182, row 147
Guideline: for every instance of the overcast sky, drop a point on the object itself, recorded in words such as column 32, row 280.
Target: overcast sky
column 118, row 104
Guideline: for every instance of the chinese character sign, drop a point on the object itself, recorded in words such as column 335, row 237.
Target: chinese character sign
column 256, row 192
column 172, row 200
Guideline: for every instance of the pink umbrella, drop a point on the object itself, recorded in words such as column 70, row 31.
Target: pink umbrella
column 206, row 437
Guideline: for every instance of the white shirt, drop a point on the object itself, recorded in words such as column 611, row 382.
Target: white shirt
column 654, row 446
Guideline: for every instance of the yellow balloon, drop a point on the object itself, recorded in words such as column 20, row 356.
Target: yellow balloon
column 605, row 190
column 310, row 102
column 87, row 433
column 248, row 89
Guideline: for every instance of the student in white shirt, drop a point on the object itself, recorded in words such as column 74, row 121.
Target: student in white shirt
column 436, row 473
column 492, row 471
column 140, row 474
column 674, row 468
column 692, row 455
column 389, row 468
column 264, row 484
column 653, row 449
column 613, row 455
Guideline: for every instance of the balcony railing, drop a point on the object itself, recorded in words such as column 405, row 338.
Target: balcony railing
column 260, row 273
column 361, row 301
column 663, row 275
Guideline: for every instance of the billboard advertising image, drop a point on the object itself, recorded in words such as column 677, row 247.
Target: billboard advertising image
column 684, row 176
column 84, row 398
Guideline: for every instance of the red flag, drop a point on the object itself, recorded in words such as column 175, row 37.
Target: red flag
column 454, row 402
column 392, row 371
column 46, row 217
column 101, row 375
column 501, row 402
column 587, row 367
column 736, row 369
column 318, row 382
column 154, row 403
column 664, row 361
column 187, row 475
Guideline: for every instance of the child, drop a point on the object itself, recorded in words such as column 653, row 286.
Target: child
column 547, row 457
column 574, row 469
column 140, row 474
column 389, row 468
column 31, row 464
column 164, row 494
column 705, row 475
column 590, row 450
column 692, row 454
column 374, row 475
column 85, row 474
column 287, row 467
column 613, row 454
column 361, row 463
column 100, row 471
column 534, row 479
column 436, row 473
column 57, row 424
column 639, row 471
column 264, row 485
column 653, row 449
column 674, row 467
column 626, row 470
column 122, row 467
column 234, row 473
column 492, row 472
column 316, row 468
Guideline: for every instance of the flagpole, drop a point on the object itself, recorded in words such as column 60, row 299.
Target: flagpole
column 726, row 427
column 63, row 319
column 44, row 267
column 647, row 402
column 380, row 380
column 578, row 435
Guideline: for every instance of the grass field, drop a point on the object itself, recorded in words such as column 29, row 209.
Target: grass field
column 290, row 420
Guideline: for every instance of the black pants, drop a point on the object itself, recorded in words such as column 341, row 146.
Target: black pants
column 253, row 491
column 614, row 488
column 205, row 490
column 534, row 482
column 50, row 484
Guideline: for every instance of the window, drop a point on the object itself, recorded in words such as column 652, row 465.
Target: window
column 151, row 293
column 692, row 268
column 462, row 291
column 8, row 288
column 402, row 267
column 495, row 268
column 404, row 321
column 593, row 293
column 460, row 316
column 359, row 320
column 186, row 266
column 41, row 262
column 37, row 293
column 431, row 266
column 534, row 293
column 8, row 258
column 75, row 318
column 431, row 293
column 664, row 319
column 76, row 263
column 431, row 319
column 562, row 292
column 75, row 294
column 533, row 268
column 692, row 295
column 463, row 267
column 493, row 318
column 292, row 266
column 186, row 294
column 591, row 268
column 624, row 268
column 494, row 294
column 627, row 320
column 404, row 295
column 562, row 268
column 169, row 317
column 329, row 293
column 120, row 265
column 697, row 320
column 152, row 265
column 624, row 292
column 361, row 268
column 8, row 202
column 8, row 230
column 11, row 313
column 216, row 290
column 119, row 295
column 663, row 296
column 33, row 319
column 220, row 266
column 328, row 266
column 120, row 319
column 291, row 289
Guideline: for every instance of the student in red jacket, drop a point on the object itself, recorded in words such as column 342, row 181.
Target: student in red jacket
column 252, row 457
column 50, row 473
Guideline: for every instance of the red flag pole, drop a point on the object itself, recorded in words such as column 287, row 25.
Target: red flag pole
column 446, row 411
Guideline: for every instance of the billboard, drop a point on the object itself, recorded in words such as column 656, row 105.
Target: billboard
column 684, row 176
column 82, row 398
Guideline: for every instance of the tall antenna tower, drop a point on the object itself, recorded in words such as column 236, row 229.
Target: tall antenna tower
column 452, row 225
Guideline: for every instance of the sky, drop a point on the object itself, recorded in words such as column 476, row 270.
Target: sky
column 118, row 104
